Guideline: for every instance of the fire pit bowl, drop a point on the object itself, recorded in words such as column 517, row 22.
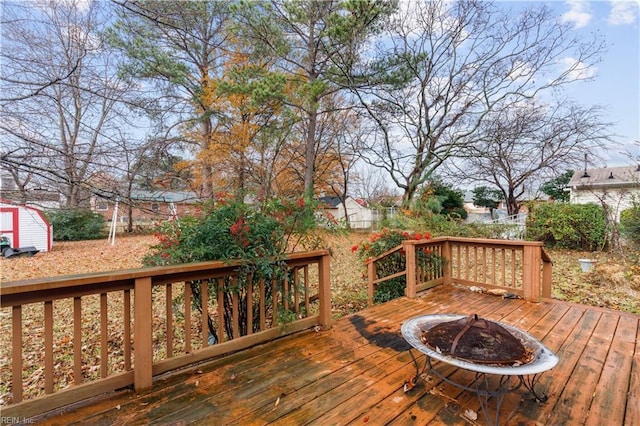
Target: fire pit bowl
column 538, row 358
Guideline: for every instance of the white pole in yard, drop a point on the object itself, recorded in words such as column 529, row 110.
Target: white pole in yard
column 112, row 230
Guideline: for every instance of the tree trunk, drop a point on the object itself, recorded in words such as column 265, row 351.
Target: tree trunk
column 513, row 207
column 129, row 217
column 347, row 222
column 206, row 186
column 310, row 153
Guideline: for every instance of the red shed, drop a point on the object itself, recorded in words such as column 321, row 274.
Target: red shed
column 25, row 226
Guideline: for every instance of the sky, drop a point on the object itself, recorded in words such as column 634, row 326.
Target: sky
column 616, row 83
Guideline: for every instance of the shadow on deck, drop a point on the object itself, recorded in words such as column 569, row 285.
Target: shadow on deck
column 354, row 374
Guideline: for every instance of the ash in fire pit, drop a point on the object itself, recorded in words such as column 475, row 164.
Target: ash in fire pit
column 476, row 340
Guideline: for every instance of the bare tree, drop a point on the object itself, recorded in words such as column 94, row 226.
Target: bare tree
column 337, row 154
column 521, row 145
column 18, row 71
column 444, row 66
column 59, row 131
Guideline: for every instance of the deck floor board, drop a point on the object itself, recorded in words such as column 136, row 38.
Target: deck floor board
column 354, row 374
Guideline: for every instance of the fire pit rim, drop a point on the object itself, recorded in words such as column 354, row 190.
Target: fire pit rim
column 543, row 359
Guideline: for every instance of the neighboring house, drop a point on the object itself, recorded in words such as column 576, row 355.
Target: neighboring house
column 615, row 186
column 358, row 211
column 37, row 198
column 148, row 206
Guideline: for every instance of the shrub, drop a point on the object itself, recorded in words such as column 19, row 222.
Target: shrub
column 570, row 226
column 76, row 225
column 230, row 230
column 630, row 224
column 440, row 225
column 385, row 240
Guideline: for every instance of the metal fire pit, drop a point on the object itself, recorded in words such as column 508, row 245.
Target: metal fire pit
column 511, row 374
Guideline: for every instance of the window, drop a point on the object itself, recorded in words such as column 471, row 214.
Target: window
column 102, row 205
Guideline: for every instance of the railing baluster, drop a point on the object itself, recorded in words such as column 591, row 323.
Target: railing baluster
column 204, row 298
column 187, row 317
column 48, row 346
column 513, row 268
column 274, row 315
column 77, row 340
column 306, row 289
column 235, row 308
column 127, row 330
column 296, row 293
column 169, row 315
column 493, row 265
column 504, row 267
column 467, row 262
column 484, row 264
column 250, row 304
column 459, row 268
column 263, row 313
column 220, row 297
column 16, row 336
column 104, row 337
column 285, row 292
column 476, row 267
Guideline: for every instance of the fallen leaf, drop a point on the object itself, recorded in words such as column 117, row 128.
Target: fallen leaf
column 470, row 414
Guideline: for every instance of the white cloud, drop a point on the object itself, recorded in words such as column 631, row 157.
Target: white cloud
column 577, row 70
column 624, row 12
column 579, row 13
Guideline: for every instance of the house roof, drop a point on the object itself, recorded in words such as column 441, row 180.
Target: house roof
column 330, row 201
column 165, row 196
column 606, row 177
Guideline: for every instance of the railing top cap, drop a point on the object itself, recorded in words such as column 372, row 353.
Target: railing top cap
column 130, row 275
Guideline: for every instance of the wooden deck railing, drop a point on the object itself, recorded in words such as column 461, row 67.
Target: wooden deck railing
column 168, row 323
column 520, row 267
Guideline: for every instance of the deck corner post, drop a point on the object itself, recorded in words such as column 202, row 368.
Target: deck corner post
column 325, row 290
column 410, row 265
column 143, row 341
column 531, row 273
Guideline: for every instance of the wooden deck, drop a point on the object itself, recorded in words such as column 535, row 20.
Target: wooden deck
column 354, row 374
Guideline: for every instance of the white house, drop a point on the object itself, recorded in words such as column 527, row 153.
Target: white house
column 614, row 186
column 360, row 215
column 25, row 226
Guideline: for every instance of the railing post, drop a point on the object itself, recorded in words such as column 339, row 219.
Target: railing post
column 410, row 265
column 371, row 276
column 446, row 258
column 325, row 291
column 143, row 341
column 531, row 273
